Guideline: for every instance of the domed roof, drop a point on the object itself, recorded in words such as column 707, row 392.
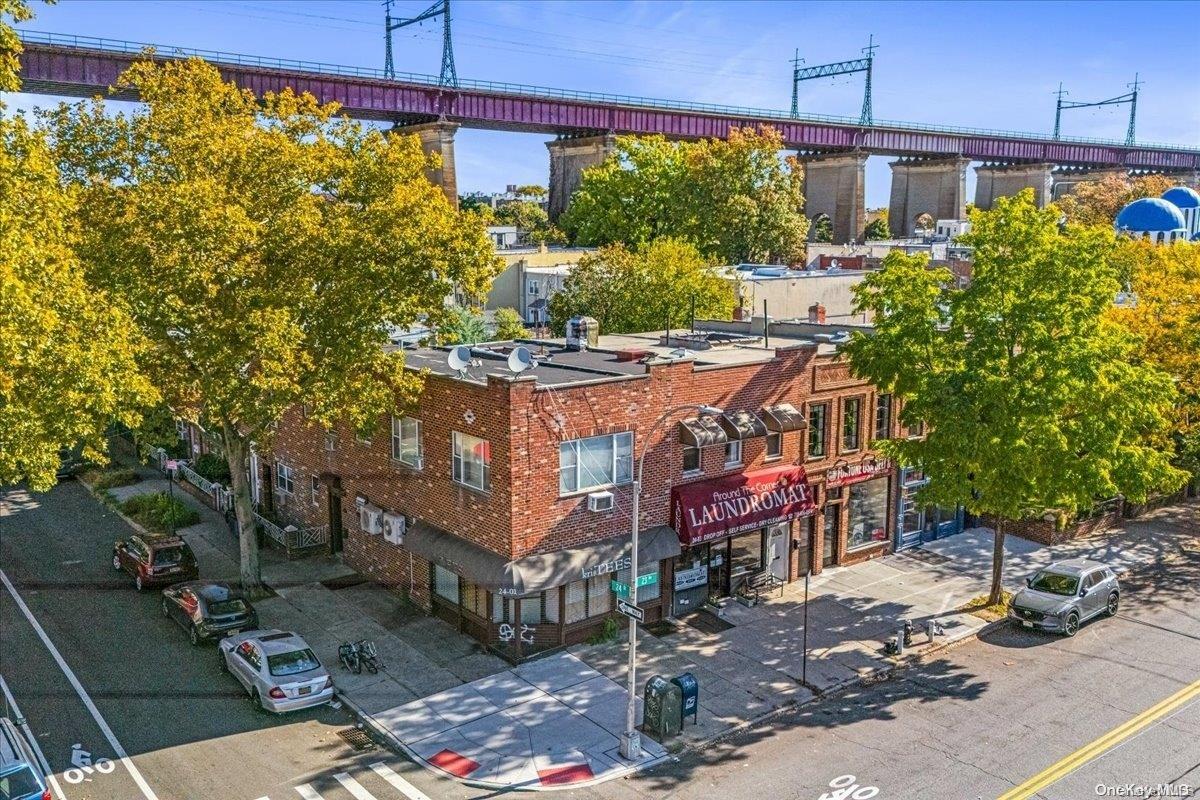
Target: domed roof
column 1150, row 214
column 1182, row 197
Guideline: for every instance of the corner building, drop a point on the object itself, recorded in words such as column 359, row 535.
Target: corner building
column 501, row 502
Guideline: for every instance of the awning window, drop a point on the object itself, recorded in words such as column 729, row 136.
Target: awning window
column 701, row 432
column 783, row 418
column 742, row 425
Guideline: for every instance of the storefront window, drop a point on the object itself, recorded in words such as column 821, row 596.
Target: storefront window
column 474, row 599
column 745, row 557
column 445, row 584
column 868, row 513
column 589, row 598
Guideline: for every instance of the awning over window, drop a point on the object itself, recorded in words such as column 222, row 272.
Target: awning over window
column 538, row 572
column 708, row 510
column 783, row 418
column 742, row 425
column 701, row 432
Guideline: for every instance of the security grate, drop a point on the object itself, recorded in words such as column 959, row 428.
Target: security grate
column 357, row 738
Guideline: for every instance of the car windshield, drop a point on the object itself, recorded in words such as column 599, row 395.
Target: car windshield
column 220, row 608
column 1054, row 583
column 168, row 556
column 293, row 662
column 18, row 783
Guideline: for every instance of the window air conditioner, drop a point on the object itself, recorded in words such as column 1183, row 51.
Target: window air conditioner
column 600, row 501
column 368, row 519
column 394, row 526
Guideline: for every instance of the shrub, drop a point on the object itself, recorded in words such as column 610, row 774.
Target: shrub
column 608, row 632
column 122, row 476
column 213, row 467
column 160, row 512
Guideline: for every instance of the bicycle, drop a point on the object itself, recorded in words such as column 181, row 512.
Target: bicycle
column 350, row 657
column 369, row 656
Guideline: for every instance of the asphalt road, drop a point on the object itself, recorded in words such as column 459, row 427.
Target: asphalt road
column 188, row 729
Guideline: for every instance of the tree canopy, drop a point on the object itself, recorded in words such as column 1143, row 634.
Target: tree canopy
column 733, row 199
column 1033, row 397
column 531, row 219
column 628, row 291
column 509, row 324
column 264, row 247
column 877, row 229
column 1098, row 202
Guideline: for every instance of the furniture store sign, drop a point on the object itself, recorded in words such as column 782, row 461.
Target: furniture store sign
column 709, row 510
column 846, row 474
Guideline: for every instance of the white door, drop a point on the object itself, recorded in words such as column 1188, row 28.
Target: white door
column 777, row 553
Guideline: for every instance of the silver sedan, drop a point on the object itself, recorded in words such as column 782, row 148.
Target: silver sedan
column 278, row 669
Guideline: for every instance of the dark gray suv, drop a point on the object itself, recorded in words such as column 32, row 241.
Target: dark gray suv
column 1066, row 594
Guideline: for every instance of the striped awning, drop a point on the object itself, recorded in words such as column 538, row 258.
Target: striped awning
column 783, row 418
column 702, row 432
column 742, row 425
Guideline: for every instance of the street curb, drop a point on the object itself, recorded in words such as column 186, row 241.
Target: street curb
column 114, row 508
column 403, row 749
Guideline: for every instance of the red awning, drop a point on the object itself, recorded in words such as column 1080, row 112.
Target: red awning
column 708, row 510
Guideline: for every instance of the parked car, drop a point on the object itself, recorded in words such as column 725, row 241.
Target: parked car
column 155, row 559
column 70, row 462
column 278, row 669
column 208, row 610
column 1064, row 595
column 20, row 775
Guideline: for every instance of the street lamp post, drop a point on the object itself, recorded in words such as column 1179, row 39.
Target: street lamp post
column 631, row 740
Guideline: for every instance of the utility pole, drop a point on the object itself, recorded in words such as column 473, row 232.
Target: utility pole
column 448, row 75
column 1129, row 97
column 1129, row 134
column 1058, row 107
column 867, row 117
column 796, row 62
column 863, row 64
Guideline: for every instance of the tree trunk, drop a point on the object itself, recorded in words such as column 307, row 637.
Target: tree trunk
column 994, row 595
column 237, row 449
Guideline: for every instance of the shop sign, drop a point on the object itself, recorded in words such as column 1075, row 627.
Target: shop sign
column 846, row 474
column 709, row 510
column 605, row 567
column 691, row 578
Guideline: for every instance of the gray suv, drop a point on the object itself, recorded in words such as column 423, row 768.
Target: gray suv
column 1064, row 595
column 20, row 776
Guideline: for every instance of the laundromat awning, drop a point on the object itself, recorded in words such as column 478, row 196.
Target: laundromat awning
column 783, row 418
column 742, row 425
column 702, row 432
column 537, row 572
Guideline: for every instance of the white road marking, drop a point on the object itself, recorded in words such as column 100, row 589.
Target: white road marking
column 144, row 787
column 389, row 775
column 19, row 720
column 353, row 787
column 307, row 792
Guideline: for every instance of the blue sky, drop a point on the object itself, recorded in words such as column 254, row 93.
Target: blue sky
column 989, row 64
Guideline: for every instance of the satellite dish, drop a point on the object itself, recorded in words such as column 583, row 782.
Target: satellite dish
column 459, row 358
column 520, row 359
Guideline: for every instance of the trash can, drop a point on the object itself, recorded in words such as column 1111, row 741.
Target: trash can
column 689, row 689
column 662, row 714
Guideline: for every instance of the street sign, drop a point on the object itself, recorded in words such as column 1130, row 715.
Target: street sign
column 622, row 589
column 631, row 611
column 172, row 465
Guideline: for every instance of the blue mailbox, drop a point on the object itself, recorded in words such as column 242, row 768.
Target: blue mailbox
column 690, row 688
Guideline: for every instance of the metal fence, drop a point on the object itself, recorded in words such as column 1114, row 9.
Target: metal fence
column 317, row 67
column 292, row 539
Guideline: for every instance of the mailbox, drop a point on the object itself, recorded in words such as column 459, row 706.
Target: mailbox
column 689, row 689
column 662, row 715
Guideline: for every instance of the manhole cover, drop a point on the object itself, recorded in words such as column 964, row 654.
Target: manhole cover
column 357, row 738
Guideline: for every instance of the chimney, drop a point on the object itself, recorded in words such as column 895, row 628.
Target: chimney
column 816, row 313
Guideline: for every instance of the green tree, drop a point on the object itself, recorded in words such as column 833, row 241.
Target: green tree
column 509, row 324
column 734, row 199
column 68, row 363
column 628, row 291
column 1032, row 396
column 1098, row 202
column 877, row 229
column 264, row 247
column 531, row 219
column 823, row 229
column 531, row 190
column 462, row 326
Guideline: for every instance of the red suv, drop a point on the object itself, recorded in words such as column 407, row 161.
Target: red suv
column 155, row 560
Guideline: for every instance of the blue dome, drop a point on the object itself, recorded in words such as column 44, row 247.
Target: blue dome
column 1150, row 214
column 1182, row 196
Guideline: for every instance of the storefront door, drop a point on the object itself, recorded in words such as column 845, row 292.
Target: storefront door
column 718, row 568
column 778, row 552
column 746, row 557
column 833, row 530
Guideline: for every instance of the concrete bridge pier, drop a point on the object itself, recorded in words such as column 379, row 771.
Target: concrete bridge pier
column 935, row 186
column 438, row 137
column 834, row 187
column 569, row 157
column 1006, row 180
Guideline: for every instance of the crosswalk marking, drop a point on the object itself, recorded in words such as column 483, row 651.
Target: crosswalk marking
column 389, row 775
column 354, row 787
column 307, row 792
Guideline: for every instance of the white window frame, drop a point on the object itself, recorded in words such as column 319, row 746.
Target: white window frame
column 398, row 441
column 285, row 478
column 330, row 441
column 581, row 474
column 316, row 490
column 733, row 453
column 778, row 454
column 458, row 451
column 533, row 288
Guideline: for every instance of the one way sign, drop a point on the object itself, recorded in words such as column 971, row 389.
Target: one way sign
column 630, row 610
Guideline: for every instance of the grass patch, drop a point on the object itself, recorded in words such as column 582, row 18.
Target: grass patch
column 109, row 478
column 980, row 608
column 160, row 512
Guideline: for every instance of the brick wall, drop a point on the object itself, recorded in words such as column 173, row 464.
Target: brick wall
column 1047, row 532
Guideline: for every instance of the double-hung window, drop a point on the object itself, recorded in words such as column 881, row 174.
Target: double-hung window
column 691, row 458
column 595, row 462
column 406, row 441
column 883, row 416
column 851, row 427
column 774, row 445
column 472, row 461
column 733, row 452
column 285, row 478
column 817, row 415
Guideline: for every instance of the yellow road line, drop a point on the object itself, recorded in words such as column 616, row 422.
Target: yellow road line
column 1059, row 770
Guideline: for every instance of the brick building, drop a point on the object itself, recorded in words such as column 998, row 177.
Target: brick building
column 501, row 501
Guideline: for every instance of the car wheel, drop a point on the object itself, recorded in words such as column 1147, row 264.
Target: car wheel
column 166, row 609
column 254, row 698
column 194, row 636
column 116, row 562
column 137, row 582
column 1071, row 624
column 1114, row 602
